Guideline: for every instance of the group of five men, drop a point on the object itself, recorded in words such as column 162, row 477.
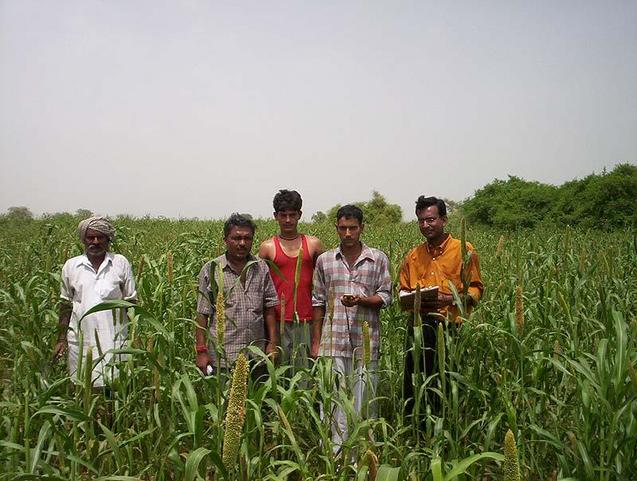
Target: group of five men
column 325, row 296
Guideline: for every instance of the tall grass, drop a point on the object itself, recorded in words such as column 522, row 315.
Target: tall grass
column 549, row 354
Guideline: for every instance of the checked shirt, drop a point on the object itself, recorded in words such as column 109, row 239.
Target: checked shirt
column 245, row 304
column 343, row 336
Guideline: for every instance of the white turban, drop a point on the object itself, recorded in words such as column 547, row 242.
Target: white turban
column 98, row 223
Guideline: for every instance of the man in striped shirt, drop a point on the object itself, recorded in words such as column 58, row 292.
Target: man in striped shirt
column 249, row 301
column 356, row 277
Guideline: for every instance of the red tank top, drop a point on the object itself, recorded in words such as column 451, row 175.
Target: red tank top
column 285, row 287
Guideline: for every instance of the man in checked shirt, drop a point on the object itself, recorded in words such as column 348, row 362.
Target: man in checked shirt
column 359, row 277
column 249, row 300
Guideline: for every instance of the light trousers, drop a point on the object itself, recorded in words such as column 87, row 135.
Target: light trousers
column 358, row 383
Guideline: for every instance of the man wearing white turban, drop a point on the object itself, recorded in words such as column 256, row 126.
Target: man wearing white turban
column 87, row 280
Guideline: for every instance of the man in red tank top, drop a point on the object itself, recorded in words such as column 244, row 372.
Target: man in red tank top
column 283, row 250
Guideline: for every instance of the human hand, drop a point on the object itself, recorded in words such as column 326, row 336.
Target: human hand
column 272, row 351
column 443, row 300
column 350, row 300
column 203, row 361
column 58, row 351
column 314, row 350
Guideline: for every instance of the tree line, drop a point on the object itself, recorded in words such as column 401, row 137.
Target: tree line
column 605, row 200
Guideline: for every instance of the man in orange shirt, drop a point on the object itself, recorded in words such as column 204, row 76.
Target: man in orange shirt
column 436, row 262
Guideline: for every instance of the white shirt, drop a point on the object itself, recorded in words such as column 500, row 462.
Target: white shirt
column 85, row 288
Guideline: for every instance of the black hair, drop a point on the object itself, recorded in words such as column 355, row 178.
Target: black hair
column 424, row 202
column 349, row 211
column 238, row 220
column 287, row 200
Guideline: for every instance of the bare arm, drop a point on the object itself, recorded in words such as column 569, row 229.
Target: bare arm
column 476, row 287
column 63, row 326
column 266, row 250
column 203, row 358
column 374, row 302
column 316, row 247
column 319, row 300
column 318, row 314
column 270, row 326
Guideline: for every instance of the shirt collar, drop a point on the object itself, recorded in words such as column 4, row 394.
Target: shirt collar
column 439, row 250
column 84, row 259
column 222, row 261
column 366, row 253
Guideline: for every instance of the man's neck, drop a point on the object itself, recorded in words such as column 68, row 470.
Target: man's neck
column 289, row 236
column 352, row 253
column 439, row 241
column 96, row 261
column 237, row 265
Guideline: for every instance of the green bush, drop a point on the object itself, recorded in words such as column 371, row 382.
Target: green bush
column 599, row 200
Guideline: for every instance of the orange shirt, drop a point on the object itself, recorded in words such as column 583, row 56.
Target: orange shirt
column 436, row 266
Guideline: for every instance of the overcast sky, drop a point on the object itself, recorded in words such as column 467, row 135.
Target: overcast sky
column 202, row 108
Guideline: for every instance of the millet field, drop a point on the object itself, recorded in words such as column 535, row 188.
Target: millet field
column 549, row 354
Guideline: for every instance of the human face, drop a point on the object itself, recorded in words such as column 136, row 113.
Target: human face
column 349, row 231
column 95, row 243
column 288, row 221
column 431, row 224
column 239, row 242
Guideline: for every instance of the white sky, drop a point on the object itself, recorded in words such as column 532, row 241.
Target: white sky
column 202, row 108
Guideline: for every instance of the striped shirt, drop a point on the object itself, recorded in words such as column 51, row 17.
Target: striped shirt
column 244, row 305
column 342, row 336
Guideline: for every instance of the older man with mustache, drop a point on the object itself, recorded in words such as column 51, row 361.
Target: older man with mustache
column 88, row 280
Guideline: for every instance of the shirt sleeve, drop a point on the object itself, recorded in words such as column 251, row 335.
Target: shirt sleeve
column 129, row 292
column 319, row 292
column 270, row 298
column 384, row 287
column 203, row 296
column 405, row 285
column 476, row 287
column 66, row 289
